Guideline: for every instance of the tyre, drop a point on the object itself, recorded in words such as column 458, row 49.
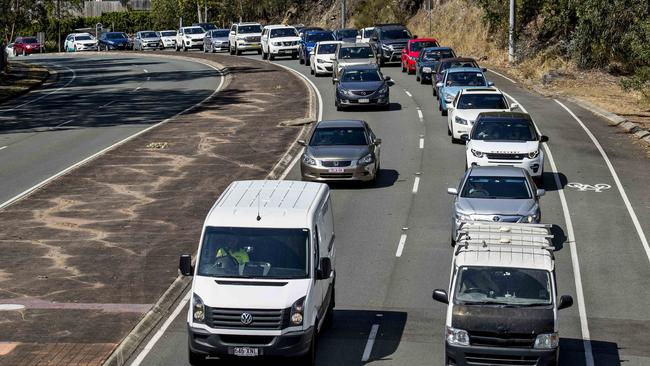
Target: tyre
column 434, row 89
column 237, row 51
column 265, row 55
column 259, row 52
column 196, row 359
column 232, row 51
column 443, row 112
column 422, row 81
column 309, row 358
column 307, row 62
column 417, row 78
column 301, row 60
column 294, row 56
column 271, row 57
column 24, row 53
column 312, row 71
column 184, row 48
column 177, row 48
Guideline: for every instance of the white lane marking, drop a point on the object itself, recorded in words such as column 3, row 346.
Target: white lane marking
column 599, row 187
column 3, row 147
column 320, row 98
column 503, row 76
column 420, row 115
column 421, row 143
column 575, row 262
column 370, row 343
column 400, row 245
column 409, row 94
column 11, row 307
column 416, row 184
column 107, row 104
column 621, row 190
column 93, row 156
column 145, row 70
column 290, row 167
column 74, row 76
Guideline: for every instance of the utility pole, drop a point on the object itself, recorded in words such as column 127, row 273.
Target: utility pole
column 511, row 33
column 58, row 24
column 241, row 11
column 430, row 16
column 205, row 16
column 343, row 10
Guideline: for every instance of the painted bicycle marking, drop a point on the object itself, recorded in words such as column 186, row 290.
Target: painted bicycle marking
column 581, row 187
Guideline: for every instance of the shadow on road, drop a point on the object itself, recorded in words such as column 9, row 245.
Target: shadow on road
column 386, row 178
column 572, row 352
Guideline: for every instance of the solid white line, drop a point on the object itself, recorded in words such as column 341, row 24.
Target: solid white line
column 2, row 148
column 621, row 190
column 145, row 70
column 575, row 262
column 74, row 76
column 503, row 76
column 400, row 246
column 371, row 342
column 409, row 94
column 421, row 143
column 290, row 167
column 93, row 156
column 420, row 115
column 320, row 98
column 416, row 184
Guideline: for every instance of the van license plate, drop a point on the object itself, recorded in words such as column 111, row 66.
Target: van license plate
column 246, row 351
column 364, row 101
column 335, row 170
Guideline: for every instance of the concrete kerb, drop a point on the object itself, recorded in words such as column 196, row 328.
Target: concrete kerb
column 165, row 305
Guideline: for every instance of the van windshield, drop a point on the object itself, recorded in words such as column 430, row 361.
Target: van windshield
column 254, row 253
column 503, row 286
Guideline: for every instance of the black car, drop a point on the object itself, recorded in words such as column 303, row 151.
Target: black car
column 362, row 85
column 389, row 40
column 428, row 60
column 348, row 35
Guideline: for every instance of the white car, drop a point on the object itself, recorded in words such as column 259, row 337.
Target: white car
column 506, row 138
column 365, row 34
column 320, row 60
column 189, row 37
column 279, row 40
column 168, row 38
column 80, row 42
column 245, row 37
column 9, row 50
column 468, row 104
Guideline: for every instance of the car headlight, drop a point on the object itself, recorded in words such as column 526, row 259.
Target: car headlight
column 198, row 309
column 458, row 337
column 412, row 58
column 297, row 312
column 276, row 43
column 463, row 217
column 528, row 219
column 547, row 341
column 387, row 47
column 426, row 70
column 460, row 121
column 309, row 49
column 308, row 159
column 383, row 89
column 366, row 159
column 533, row 154
column 188, row 37
column 477, row 153
column 344, row 91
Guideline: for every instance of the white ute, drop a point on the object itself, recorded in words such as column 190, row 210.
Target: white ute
column 279, row 40
column 264, row 273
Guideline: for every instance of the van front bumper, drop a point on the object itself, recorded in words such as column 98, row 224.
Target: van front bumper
column 223, row 345
column 474, row 355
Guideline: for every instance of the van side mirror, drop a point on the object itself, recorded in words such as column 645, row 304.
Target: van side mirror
column 440, row 296
column 185, row 265
column 566, row 301
column 540, row 192
column 543, row 139
column 325, row 269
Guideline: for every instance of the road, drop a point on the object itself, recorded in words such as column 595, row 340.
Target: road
column 94, row 102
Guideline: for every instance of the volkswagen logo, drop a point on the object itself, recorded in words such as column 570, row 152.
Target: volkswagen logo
column 246, row 318
column 496, row 218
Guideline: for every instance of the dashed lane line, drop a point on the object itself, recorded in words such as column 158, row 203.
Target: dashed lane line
column 420, row 115
column 408, row 93
column 400, row 245
column 416, row 185
column 421, row 143
column 370, row 343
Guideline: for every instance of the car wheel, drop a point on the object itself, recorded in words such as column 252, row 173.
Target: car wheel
column 294, row 56
column 312, row 71
column 271, row 57
column 265, row 55
column 232, row 50
column 434, row 89
column 184, row 48
column 443, row 112
column 259, row 52
column 196, row 359
column 452, row 241
column 422, row 81
column 307, row 62
column 301, row 60
column 417, row 78
column 24, row 53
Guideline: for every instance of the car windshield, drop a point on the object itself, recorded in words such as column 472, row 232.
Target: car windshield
column 82, row 38
column 283, row 32
column 458, row 64
column 347, row 33
column 168, row 34
column 398, row 33
column 514, row 188
column 148, row 35
column 116, row 36
column 482, row 101
column 194, row 30
column 367, row 33
column 465, row 79
column 349, row 53
column 207, row 26
column 356, row 76
column 30, row 40
column 417, row 46
column 327, row 48
column 503, row 286
column 254, row 253
column 509, row 130
column 350, row 136
column 436, row 55
column 250, row 29
column 220, row 33
column 319, row 37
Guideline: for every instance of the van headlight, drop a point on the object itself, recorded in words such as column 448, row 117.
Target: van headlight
column 198, row 309
column 366, row 159
column 547, row 341
column 459, row 337
column 533, row 154
column 297, row 312
column 308, row 159
column 460, row 121
column 477, row 153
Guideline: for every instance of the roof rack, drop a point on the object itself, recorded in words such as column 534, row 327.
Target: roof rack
column 484, row 235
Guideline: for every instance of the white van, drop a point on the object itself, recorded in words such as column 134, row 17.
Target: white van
column 264, row 273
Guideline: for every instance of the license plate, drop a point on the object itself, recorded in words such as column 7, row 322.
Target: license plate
column 364, row 100
column 246, row 351
column 335, row 170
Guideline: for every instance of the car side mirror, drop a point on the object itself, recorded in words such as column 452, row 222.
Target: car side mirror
column 514, row 106
column 415, row 37
column 452, row 191
column 490, row 83
column 439, row 85
column 543, row 139
column 232, row 33
column 440, row 296
column 185, row 265
column 566, row 301
column 387, row 78
column 540, row 192
column 377, row 141
column 464, row 137
column 335, row 80
column 325, row 269
column 484, row 69
column 302, row 142
column 374, row 38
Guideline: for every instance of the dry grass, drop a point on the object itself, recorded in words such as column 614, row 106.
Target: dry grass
column 20, row 79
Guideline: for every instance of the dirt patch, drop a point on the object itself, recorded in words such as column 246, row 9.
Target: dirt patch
column 111, row 231
column 20, row 79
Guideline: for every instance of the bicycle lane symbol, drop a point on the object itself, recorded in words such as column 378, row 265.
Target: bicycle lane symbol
column 581, row 187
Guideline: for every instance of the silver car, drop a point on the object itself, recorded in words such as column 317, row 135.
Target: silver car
column 147, row 40
column 216, row 40
column 499, row 194
column 352, row 54
column 341, row 150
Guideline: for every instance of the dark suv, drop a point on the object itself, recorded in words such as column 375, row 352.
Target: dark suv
column 389, row 40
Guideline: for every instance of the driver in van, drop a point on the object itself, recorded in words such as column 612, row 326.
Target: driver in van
column 230, row 249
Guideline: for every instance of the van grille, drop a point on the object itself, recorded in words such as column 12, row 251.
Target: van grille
column 488, row 359
column 506, row 340
column 261, row 318
column 246, row 339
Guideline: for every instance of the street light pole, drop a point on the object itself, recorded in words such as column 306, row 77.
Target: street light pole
column 58, row 24
column 343, row 13
column 511, row 33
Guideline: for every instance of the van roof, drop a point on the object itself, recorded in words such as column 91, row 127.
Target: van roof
column 282, row 204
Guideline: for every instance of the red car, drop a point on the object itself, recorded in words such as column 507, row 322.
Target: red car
column 26, row 46
column 411, row 52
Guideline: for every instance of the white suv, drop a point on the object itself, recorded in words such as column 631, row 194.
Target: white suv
column 506, row 138
column 280, row 40
column 189, row 37
column 245, row 37
column 468, row 104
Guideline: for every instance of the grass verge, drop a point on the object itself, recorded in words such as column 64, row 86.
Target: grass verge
column 21, row 78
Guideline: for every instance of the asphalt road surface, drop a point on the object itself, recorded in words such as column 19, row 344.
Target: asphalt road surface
column 95, row 101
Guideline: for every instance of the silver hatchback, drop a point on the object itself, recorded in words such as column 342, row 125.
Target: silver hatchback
column 499, row 194
column 147, row 40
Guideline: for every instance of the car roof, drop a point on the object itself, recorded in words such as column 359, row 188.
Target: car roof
column 463, row 69
column 192, row 26
column 276, row 26
column 502, row 116
column 362, row 67
column 340, row 123
column 390, row 25
column 352, row 45
column 428, row 39
column 330, row 42
column 496, row 171
column 248, row 23
column 481, row 91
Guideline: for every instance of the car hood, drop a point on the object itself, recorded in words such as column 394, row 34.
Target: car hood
column 87, row 42
column 472, row 114
column 428, row 63
column 196, row 36
column 503, row 320
column 246, row 293
column 395, row 41
column 338, row 152
column 504, row 147
column 368, row 61
column 150, row 39
column 220, row 39
column 486, row 206
column 362, row 85
column 348, row 39
column 413, row 53
column 118, row 40
column 325, row 56
column 285, row 39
